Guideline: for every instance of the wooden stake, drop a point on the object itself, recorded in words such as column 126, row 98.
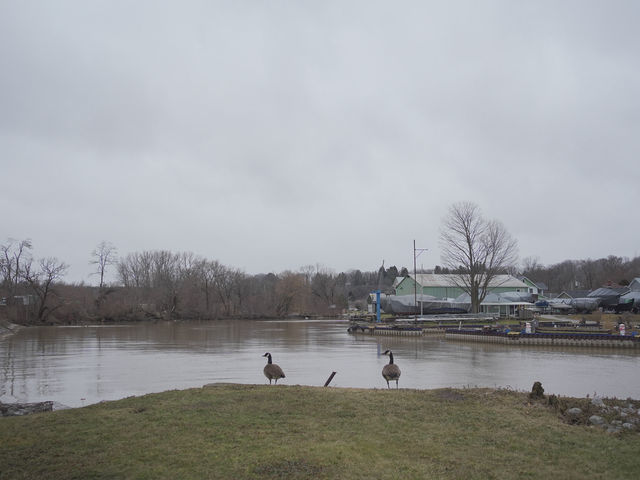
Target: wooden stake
column 329, row 379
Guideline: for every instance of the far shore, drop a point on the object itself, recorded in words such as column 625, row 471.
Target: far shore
column 8, row 328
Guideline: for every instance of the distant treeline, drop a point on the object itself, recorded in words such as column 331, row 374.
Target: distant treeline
column 582, row 274
column 163, row 284
column 571, row 275
column 188, row 286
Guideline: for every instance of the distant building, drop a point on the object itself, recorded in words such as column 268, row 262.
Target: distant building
column 609, row 296
column 443, row 285
column 571, row 294
column 537, row 289
column 634, row 286
column 24, row 300
column 633, row 295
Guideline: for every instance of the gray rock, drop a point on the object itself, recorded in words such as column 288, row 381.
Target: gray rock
column 629, row 426
column 16, row 409
column 613, row 429
column 597, row 401
column 616, row 422
column 596, row 420
column 575, row 411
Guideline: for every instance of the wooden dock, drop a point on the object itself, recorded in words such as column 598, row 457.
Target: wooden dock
column 546, row 339
column 476, row 333
column 394, row 330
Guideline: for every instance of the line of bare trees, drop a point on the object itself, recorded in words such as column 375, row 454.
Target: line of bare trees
column 164, row 284
column 582, row 274
column 186, row 285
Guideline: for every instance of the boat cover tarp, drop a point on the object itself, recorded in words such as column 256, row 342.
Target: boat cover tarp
column 427, row 304
column 631, row 296
column 506, row 298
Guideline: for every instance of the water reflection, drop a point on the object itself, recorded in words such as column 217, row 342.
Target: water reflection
column 82, row 365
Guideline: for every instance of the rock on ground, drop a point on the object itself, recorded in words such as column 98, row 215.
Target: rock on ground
column 13, row 409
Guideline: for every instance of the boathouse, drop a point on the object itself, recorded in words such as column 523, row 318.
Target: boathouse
column 445, row 285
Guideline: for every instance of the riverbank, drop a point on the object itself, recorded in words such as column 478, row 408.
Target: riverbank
column 8, row 328
column 248, row 431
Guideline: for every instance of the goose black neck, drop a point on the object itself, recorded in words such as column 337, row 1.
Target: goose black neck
column 390, row 358
column 269, row 358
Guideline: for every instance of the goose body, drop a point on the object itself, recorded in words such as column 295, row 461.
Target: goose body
column 271, row 370
column 391, row 371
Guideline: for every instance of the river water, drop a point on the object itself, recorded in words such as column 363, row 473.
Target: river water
column 78, row 366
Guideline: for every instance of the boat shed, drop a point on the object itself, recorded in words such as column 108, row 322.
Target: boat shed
column 446, row 285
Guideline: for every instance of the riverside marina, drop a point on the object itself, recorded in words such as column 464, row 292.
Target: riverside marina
column 77, row 366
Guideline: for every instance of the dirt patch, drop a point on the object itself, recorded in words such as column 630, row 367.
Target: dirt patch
column 289, row 469
column 450, row 395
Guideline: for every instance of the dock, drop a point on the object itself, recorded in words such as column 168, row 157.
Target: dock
column 395, row 330
column 464, row 329
column 546, row 339
column 418, row 326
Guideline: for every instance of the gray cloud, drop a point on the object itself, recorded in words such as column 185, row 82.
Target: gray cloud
column 277, row 134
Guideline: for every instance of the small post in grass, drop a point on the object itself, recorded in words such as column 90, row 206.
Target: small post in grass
column 329, row 379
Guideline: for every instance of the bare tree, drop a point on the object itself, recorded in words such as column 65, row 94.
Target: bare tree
column 588, row 270
column 227, row 282
column 208, row 270
column 43, row 281
column 476, row 249
column 104, row 254
column 323, row 286
column 289, row 287
column 530, row 265
column 15, row 258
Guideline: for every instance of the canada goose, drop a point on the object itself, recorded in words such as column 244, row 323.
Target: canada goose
column 271, row 370
column 391, row 371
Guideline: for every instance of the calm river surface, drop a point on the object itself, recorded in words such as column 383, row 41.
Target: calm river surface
column 77, row 366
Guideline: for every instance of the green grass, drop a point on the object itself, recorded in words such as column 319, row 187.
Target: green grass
column 283, row 432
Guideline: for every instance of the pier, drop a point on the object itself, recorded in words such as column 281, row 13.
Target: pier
column 546, row 339
column 472, row 332
column 396, row 330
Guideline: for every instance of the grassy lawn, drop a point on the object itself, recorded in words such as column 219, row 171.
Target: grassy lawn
column 292, row 432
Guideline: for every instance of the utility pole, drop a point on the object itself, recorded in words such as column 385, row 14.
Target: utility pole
column 416, row 253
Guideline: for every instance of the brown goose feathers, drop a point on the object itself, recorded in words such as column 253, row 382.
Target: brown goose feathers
column 271, row 370
column 391, row 371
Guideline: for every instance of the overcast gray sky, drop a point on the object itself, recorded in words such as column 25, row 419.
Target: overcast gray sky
column 271, row 135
